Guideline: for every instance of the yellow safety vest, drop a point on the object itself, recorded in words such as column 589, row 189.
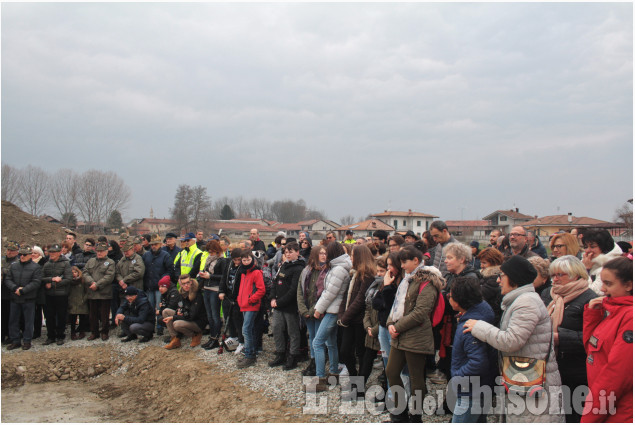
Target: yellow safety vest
column 187, row 261
column 204, row 259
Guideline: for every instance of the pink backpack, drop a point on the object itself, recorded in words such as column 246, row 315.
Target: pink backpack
column 439, row 307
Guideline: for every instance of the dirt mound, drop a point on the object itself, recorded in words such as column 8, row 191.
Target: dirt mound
column 25, row 228
column 30, row 367
column 163, row 386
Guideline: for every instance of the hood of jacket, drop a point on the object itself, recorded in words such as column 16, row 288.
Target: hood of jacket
column 491, row 271
column 480, row 311
column 192, row 292
column 344, row 261
column 429, row 274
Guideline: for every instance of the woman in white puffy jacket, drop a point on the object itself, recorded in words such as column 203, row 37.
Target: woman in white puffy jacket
column 326, row 310
column 525, row 331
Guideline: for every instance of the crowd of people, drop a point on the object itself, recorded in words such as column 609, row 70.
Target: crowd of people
column 505, row 316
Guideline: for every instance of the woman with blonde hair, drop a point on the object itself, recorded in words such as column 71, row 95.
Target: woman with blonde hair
column 564, row 244
column 568, row 296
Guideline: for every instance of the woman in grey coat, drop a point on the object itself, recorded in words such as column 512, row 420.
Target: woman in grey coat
column 526, row 331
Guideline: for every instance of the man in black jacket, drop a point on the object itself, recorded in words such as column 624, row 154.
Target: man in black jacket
column 284, row 302
column 10, row 258
column 56, row 278
column 23, row 280
column 135, row 315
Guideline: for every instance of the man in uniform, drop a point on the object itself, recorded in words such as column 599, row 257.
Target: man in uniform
column 56, row 278
column 23, row 280
column 129, row 271
column 99, row 274
column 7, row 260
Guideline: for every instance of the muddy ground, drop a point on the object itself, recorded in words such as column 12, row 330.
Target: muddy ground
column 94, row 384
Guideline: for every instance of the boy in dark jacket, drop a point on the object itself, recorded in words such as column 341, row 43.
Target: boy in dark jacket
column 284, row 302
column 135, row 315
column 471, row 358
column 228, row 293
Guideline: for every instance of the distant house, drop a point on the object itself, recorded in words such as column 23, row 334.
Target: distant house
column 406, row 220
column 363, row 228
column 548, row 225
column 316, row 228
column 506, row 219
column 160, row 226
column 474, row 229
column 238, row 229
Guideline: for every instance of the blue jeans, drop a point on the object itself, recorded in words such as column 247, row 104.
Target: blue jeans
column 212, row 307
column 326, row 337
column 154, row 297
column 384, row 342
column 312, row 325
column 463, row 411
column 249, row 317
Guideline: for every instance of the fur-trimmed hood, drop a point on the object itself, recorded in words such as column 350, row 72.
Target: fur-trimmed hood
column 491, row 271
column 192, row 292
column 430, row 274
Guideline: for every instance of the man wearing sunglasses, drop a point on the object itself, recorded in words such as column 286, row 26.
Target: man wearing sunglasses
column 23, row 280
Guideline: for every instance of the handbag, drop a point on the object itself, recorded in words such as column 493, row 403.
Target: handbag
column 525, row 376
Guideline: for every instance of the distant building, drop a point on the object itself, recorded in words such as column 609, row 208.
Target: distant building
column 470, row 229
column 548, row 225
column 363, row 228
column 406, row 220
column 504, row 220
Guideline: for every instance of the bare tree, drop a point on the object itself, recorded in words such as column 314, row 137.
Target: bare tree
column 347, row 220
column 192, row 207
column 624, row 214
column 35, row 194
column 64, row 184
column 260, row 208
column 99, row 193
column 11, row 184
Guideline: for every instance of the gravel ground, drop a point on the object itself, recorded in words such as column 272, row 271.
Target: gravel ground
column 274, row 383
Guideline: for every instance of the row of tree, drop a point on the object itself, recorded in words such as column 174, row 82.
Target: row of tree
column 193, row 207
column 95, row 196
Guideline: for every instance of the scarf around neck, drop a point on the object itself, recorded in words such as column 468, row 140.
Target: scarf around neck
column 561, row 295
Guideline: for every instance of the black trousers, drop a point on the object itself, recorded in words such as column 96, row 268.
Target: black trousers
column 351, row 351
column 99, row 312
column 55, row 313
column 6, row 307
column 84, row 323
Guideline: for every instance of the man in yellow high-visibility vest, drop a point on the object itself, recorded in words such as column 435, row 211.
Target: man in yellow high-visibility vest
column 188, row 261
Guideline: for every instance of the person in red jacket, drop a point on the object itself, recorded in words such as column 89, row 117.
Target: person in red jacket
column 608, row 341
column 252, row 290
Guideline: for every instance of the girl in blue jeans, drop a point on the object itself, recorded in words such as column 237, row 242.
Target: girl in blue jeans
column 335, row 286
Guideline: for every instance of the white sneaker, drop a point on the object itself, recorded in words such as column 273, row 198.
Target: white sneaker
column 239, row 349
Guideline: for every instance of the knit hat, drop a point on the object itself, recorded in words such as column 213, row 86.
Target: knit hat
column 474, row 244
column 131, row 290
column 520, row 271
column 165, row 282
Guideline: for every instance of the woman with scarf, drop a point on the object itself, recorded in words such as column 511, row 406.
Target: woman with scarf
column 211, row 274
column 310, row 287
column 410, row 327
column 568, row 296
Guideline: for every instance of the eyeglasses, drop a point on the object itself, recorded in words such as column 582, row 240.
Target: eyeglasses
column 559, row 275
column 24, row 255
column 558, row 246
column 516, row 235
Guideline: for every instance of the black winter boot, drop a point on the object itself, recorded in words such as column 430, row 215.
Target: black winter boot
column 278, row 360
column 310, row 369
column 292, row 362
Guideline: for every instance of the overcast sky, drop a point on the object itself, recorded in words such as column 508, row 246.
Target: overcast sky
column 455, row 110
